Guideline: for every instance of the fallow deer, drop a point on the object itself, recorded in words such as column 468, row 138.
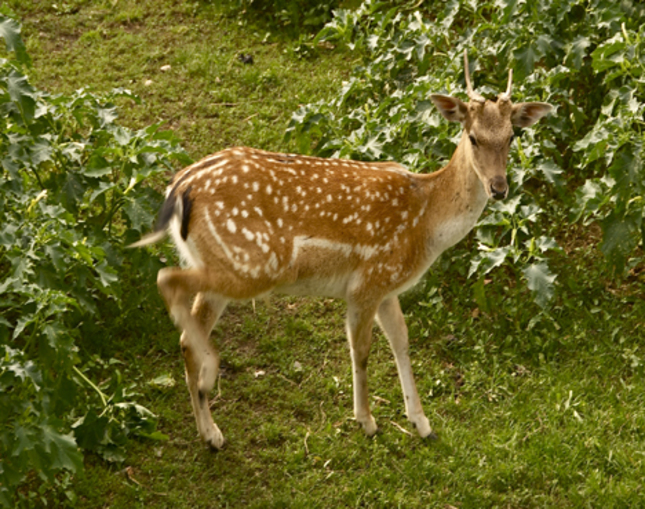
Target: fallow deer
column 248, row 222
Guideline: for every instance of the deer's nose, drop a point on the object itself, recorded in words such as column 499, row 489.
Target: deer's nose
column 498, row 187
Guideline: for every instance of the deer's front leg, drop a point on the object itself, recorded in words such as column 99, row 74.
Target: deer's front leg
column 359, row 333
column 391, row 319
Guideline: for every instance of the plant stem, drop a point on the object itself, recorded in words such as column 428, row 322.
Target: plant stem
column 91, row 384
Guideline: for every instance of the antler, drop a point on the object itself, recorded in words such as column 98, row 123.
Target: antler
column 506, row 96
column 474, row 96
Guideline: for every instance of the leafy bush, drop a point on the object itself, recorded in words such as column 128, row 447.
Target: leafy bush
column 70, row 199
column 585, row 56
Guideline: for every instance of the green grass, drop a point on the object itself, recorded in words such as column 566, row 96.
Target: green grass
column 532, row 409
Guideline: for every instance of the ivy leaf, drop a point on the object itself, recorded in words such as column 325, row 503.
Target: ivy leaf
column 452, row 9
column 545, row 243
column 620, row 237
column 121, row 135
column 22, row 323
column 106, row 115
column 488, row 259
column 61, row 450
column 22, row 94
column 41, row 151
column 101, row 188
column 608, row 54
column 508, row 206
column 589, row 198
column 23, row 370
column 91, row 431
column 532, row 53
column 71, row 192
column 107, row 274
column 138, row 215
column 594, row 143
column 540, row 281
column 577, row 50
column 551, row 172
column 10, row 32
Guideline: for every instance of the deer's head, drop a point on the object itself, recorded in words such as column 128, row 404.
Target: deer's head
column 488, row 130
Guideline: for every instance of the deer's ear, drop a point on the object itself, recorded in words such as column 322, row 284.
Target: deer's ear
column 451, row 108
column 527, row 114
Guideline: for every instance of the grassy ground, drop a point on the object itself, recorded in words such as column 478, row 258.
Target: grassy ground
column 532, row 409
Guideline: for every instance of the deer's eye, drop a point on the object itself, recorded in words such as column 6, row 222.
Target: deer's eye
column 472, row 140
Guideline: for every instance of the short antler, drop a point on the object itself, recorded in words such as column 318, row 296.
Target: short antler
column 474, row 96
column 506, row 96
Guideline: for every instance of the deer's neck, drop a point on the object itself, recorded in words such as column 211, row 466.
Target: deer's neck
column 456, row 200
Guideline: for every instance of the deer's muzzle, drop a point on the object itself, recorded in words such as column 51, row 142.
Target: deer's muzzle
column 498, row 187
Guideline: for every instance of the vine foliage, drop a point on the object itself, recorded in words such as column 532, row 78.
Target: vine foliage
column 582, row 164
column 71, row 197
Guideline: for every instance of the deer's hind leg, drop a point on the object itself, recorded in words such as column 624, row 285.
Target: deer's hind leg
column 359, row 323
column 201, row 358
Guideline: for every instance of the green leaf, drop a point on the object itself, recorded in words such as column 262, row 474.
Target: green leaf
column 24, row 370
column 156, row 435
column 139, row 216
column 551, row 172
column 540, row 281
column 608, row 54
column 41, row 151
column 479, row 292
column 488, row 259
column 22, row 323
column 91, row 431
column 589, row 198
column 72, row 192
column 532, row 52
column 451, row 11
column 10, row 32
column 22, row 94
column 594, row 143
column 122, row 136
column 107, row 274
column 620, row 237
column 61, row 450
column 508, row 206
column 164, row 381
column 577, row 50
column 102, row 188
column 106, row 115
column 544, row 244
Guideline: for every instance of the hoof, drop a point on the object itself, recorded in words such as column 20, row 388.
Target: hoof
column 430, row 437
column 215, row 439
column 422, row 426
column 369, row 426
column 214, row 448
column 215, row 445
